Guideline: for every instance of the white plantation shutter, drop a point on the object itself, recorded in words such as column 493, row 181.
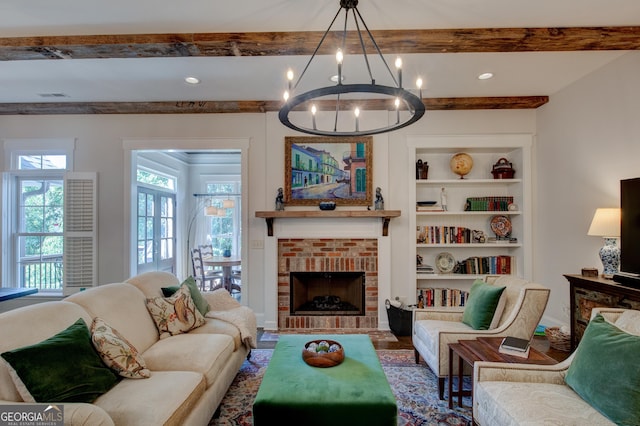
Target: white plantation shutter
column 80, row 232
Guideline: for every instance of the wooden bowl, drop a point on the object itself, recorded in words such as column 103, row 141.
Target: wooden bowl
column 323, row 359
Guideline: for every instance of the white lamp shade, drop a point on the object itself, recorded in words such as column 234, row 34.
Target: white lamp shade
column 228, row 204
column 605, row 223
column 210, row 211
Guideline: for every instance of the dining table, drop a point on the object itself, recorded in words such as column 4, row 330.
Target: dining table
column 226, row 263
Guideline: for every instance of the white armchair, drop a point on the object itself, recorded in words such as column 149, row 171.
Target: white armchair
column 435, row 328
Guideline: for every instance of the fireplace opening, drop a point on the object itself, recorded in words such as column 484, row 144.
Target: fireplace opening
column 327, row 293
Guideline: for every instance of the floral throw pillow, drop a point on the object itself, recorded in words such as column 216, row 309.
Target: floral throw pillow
column 176, row 314
column 117, row 352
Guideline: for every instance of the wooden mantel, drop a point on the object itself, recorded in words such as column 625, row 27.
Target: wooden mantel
column 385, row 215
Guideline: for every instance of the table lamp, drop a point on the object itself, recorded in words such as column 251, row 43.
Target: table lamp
column 606, row 224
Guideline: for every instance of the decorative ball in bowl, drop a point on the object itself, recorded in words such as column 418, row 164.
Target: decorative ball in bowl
column 323, row 353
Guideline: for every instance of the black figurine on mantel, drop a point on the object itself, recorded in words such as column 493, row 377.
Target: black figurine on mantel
column 379, row 204
column 280, row 200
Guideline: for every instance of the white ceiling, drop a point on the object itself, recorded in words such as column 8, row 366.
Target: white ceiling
column 254, row 78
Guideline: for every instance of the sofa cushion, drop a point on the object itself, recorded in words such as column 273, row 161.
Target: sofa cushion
column 481, row 305
column 63, row 368
column 605, row 371
column 201, row 303
column 519, row 403
column 176, row 314
column 166, row 398
column 629, row 321
column 123, row 307
column 429, row 331
column 116, row 351
column 18, row 329
column 216, row 326
column 207, row 354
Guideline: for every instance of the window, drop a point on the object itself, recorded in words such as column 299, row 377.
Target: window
column 154, row 178
column 39, row 236
column 224, row 229
column 50, row 219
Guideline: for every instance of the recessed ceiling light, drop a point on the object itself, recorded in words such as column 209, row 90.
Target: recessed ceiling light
column 192, row 80
column 485, row 76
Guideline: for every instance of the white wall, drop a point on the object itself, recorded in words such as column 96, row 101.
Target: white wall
column 100, row 148
column 588, row 139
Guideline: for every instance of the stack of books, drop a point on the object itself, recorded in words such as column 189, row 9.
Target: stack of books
column 515, row 346
column 425, row 269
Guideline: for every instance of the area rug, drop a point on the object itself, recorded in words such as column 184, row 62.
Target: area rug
column 414, row 386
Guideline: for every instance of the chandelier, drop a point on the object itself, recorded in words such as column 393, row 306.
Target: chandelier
column 345, row 99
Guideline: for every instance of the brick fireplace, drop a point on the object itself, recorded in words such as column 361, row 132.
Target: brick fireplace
column 328, row 255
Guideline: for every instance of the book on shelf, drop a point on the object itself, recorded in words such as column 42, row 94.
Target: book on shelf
column 439, row 297
column 434, row 208
column 425, row 269
column 515, row 345
column 491, row 203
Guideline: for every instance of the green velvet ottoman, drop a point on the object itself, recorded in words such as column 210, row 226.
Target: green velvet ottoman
column 355, row 392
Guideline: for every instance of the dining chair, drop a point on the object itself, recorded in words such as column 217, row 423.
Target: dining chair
column 203, row 276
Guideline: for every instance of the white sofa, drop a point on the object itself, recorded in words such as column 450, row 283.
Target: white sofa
column 526, row 394
column 190, row 372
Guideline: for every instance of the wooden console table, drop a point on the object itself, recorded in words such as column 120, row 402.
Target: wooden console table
column 587, row 293
column 385, row 215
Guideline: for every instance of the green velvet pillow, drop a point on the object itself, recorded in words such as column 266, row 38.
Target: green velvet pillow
column 605, row 371
column 63, row 368
column 201, row 303
column 481, row 305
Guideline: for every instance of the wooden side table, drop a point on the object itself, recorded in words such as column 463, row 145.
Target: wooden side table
column 484, row 349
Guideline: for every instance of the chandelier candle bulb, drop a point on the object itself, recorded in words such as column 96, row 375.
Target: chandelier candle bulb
column 399, row 67
column 313, row 116
column 419, row 86
column 339, row 58
column 356, row 112
column 290, row 77
column 397, row 103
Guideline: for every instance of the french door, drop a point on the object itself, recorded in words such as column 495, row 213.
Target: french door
column 156, row 234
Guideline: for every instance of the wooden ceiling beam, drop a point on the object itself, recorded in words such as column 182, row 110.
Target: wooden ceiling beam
column 462, row 40
column 221, row 107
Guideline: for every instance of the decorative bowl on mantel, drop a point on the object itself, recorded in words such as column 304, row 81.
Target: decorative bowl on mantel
column 327, row 205
column 323, row 353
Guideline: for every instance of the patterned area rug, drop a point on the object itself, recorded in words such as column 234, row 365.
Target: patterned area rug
column 414, row 386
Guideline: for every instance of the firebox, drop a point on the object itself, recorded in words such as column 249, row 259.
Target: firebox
column 327, row 293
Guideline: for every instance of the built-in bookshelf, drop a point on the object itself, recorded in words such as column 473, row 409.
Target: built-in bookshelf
column 478, row 210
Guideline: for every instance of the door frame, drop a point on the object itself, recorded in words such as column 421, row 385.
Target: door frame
column 131, row 146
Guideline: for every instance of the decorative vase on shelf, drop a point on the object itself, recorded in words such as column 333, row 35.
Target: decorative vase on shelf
column 226, row 253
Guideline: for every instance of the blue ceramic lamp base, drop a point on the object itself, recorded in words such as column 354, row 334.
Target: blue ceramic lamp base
column 610, row 256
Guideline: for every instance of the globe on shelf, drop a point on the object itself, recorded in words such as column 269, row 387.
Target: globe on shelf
column 461, row 164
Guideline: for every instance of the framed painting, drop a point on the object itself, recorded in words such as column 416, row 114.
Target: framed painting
column 337, row 169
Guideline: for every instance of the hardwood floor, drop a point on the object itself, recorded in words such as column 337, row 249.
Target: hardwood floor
column 404, row 342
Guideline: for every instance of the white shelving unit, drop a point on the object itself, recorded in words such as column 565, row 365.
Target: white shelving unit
column 486, row 150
